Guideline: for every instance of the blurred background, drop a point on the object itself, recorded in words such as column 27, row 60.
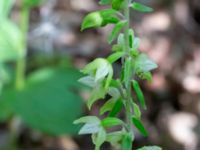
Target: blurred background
column 39, row 93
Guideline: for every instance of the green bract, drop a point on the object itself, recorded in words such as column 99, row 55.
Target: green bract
column 117, row 89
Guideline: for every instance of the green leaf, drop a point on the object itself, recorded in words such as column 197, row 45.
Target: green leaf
column 126, row 142
column 47, row 102
column 107, row 106
column 118, row 4
column 127, row 70
column 87, row 119
column 144, row 64
column 99, row 138
column 138, row 124
column 111, row 121
column 90, row 128
column 131, row 38
column 99, row 19
column 150, row 148
column 140, row 7
column 5, row 7
column 105, row 2
column 116, row 109
column 137, row 112
column 139, row 93
column 118, row 27
column 10, row 41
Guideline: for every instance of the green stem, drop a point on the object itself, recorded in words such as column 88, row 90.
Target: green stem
column 21, row 62
column 128, row 86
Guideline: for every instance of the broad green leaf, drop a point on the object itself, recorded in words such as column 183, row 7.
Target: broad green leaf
column 126, row 142
column 138, row 124
column 87, row 119
column 99, row 18
column 105, row 2
column 87, row 80
column 90, row 128
column 118, row 27
column 10, row 41
column 139, row 93
column 99, row 138
column 5, row 7
column 111, row 121
column 144, row 64
column 116, row 109
column 150, row 148
column 107, row 106
column 140, row 7
column 118, row 4
column 137, row 112
column 115, row 56
column 47, row 102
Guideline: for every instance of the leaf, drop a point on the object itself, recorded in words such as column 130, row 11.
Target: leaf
column 131, row 38
column 47, row 102
column 105, row 2
column 127, row 142
column 99, row 139
column 140, row 7
column 10, row 41
column 111, row 121
column 87, row 80
column 138, row 124
column 150, row 148
column 139, row 93
column 144, row 64
column 127, row 71
column 137, row 112
column 99, row 19
column 90, row 128
column 116, row 109
column 118, row 27
column 118, row 4
column 5, row 7
column 115, row 56
column 107, row 106
column 87, row 119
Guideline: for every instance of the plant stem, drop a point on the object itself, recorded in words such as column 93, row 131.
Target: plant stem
column 128, row 86
column 21, row 62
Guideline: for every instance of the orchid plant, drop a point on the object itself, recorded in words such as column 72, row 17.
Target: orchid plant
column 100, row 77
